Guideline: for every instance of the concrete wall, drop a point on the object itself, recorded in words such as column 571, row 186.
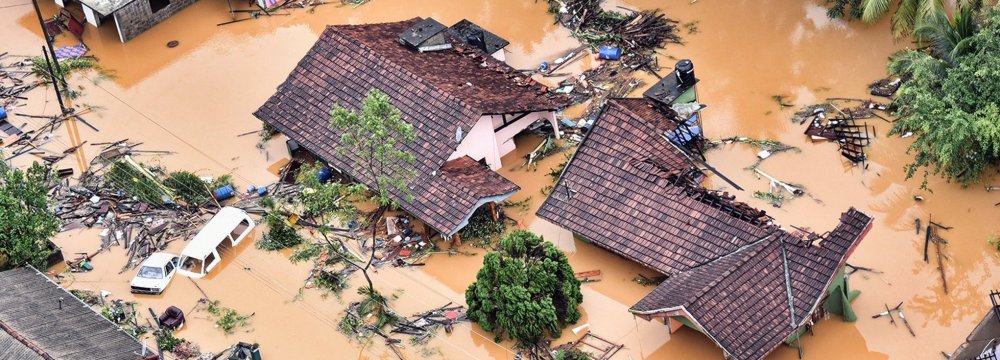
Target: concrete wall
column 479, row 144
column 483, row 142
column 137, row 17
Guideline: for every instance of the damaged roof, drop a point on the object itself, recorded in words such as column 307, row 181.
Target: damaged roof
column 622, row 173
column 31, row 317
column 753, row 299
column 745, row 282
column 476, row 36
column 438, row 92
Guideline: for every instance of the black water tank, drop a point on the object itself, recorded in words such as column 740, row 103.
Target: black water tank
column 684, row 70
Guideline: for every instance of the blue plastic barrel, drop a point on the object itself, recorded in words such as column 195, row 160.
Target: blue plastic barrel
column 3, row 113
column 262, row 191
column 543, row 66
column 224, row 192
column 324, row 174
column 609, row 53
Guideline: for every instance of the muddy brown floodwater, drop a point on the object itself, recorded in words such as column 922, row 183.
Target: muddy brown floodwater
column 195, row 98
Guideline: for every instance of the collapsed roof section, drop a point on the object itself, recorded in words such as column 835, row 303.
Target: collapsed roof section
column 739, row 278
column 625, row 172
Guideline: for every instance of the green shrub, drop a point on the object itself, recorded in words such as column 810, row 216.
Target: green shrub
column 279, row 234
column 188, row 187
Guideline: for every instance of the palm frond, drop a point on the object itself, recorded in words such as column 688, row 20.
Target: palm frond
column 874, row 9
column 905, row 17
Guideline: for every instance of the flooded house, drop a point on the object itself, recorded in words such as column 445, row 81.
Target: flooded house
column 633, row 188
column 129, row 17
column 41, row 320
column 464, row 105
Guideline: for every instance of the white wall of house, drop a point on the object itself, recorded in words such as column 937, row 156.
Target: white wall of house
column 484, row 142
column 479, row 144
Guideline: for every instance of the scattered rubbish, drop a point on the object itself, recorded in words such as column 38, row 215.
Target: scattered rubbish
column 918, row 197
column 580, row 328
column 423, row 325
column 71, row 51
column 589, row 276
column 173, row 43
column 245, row 351
column 898, row 309
column 609, row 53
column 598, row 348
column 123, row 314
column 767, row 147
column 648, row 281
column 885, row 87
column 774, row 193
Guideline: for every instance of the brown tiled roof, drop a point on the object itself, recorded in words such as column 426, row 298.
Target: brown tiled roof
column 618, row 191
column 742, row 299
column 745, row 282
column 470, row 176
column 430, row 89
column 476, row 79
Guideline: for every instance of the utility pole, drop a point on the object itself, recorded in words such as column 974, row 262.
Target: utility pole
column 56, row 78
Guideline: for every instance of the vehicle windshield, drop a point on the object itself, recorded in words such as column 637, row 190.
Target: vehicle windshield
column 149, row 272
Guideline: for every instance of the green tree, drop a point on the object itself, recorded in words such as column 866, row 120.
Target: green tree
column 524, row 289
column 953, row 108
column 908, row 15
column 948, row 38
column 374, row 141
column 26, row 221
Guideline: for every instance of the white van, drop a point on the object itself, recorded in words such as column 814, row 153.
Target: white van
column 201, row 255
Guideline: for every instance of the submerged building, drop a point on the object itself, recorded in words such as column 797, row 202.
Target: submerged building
column 41, row 320
column 465, row 107
column 129, row 17
column 633, row 187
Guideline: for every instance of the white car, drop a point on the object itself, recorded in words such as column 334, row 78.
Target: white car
column 155, row 273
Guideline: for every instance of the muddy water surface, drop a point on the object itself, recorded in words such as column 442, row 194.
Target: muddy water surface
column 194, row 100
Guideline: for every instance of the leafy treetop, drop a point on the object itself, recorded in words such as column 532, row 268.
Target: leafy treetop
column 952, row 107
column 26, row 221
column 524, row 289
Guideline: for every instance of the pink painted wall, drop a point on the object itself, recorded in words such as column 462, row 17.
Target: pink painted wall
column 482, row 142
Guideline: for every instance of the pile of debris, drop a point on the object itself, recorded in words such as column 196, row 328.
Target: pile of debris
column 424, row 325
column 628, row 41
column 130, row 217
column 885, row 87
column 843, row 127
column 639, row 32
column 14, row 84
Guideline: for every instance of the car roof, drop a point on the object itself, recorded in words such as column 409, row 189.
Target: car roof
column 158, row 259
column 215, row 231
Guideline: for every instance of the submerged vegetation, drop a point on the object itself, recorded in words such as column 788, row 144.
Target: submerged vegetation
column 126, row 177
column 951, row 100
column 280, row 234
column 40, row 68
column 482, row 229
column 227, row 319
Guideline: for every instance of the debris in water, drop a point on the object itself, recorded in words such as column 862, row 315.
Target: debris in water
column 589, row 276
column 898, row 309
column 885, row 87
